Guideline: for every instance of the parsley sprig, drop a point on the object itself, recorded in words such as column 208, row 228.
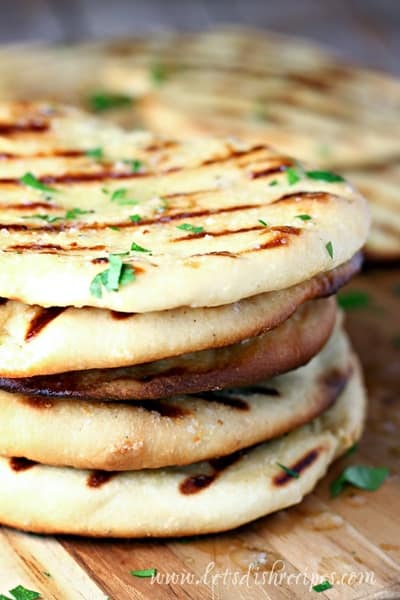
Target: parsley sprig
column 21, row 593
column 102, row 101
column 117, row 275
column 289, row 471
column 191, row 228
column 119, row 196
column 30, row 180
column 360, row 476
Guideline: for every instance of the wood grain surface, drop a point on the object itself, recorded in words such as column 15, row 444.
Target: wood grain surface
column 353, row 539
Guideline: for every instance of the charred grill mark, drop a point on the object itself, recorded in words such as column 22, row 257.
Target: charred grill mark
column 196, row 483
column 53, row 153
column 21, row 463
column 194, row 236
column 98, row 478
column 226, row 399
column 320, row 196
column 52, row 248
column 34, row 126
column 272, row 170
column 125, row 225
column 29, row 206
column 232, row 154
column 301, row 465
column 41, row 319
column 118, row 316
column 335, row 381
column 100, row 260
column 162, row 145
column 38, row 403
column 3, row 301
column 216, row 253
column 173, row 411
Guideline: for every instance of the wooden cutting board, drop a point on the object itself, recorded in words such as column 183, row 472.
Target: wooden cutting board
column 353, row 539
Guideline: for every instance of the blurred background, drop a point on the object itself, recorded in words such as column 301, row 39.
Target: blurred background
column 365, row 31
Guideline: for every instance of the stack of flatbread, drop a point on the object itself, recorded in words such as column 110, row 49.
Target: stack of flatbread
column 290, row 92
column 171, row 358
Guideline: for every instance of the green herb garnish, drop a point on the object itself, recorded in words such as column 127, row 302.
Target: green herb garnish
column 321, row 587
column 144, row 573
column 101, row 101
column 360, row 476
column 273, row 182
column 95, row 153
column 263, row 222
column 114, row 228
column 191, row 228
column 117, row 275
column 292, row 175
column 135, row 218
column 136, row 248
column 31, row 181
column 119, row 196
column 304, row 217
column 288, row 471
column 353, row 300
column 134, row 164
column 21, row 593
column 329, row 249
column 324, row 176
column 47, row 218
column 76, row 212
column 158, row 74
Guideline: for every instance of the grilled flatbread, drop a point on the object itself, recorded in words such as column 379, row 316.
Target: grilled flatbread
column 172, row 431
column 285, row 347
column 40, row 341
column 301, row 99
column 201, row 498
column 201, row 239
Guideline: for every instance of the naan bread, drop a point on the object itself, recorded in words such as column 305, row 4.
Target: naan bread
column 285, row 347
column 216, row 186
column 172, row 431
column 40, row 341
column 201, row 498
column 301, row 99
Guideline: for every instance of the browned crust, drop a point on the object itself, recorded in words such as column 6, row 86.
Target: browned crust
column 282, row 349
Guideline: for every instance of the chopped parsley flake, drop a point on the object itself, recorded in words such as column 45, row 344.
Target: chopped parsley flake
column 324, row 176
column 191, row 228
column 329, row 249
column 21, row 593
column 353, row 299
column 47, row 218
column 360, row 476
column 31, row 181
column 136, row 248
column 134, row 164
column 117, row 275
column 101, row 101
column 144, row 573
column 288, row 471
column 304, row 217
column 158, row 74
column 263, row 222
column 323, row 586
column 114, row 228
column 292, row 175
column 273, row 182
column 76, row 212
column 95, row 153
column 119, row 196
column 135, row 218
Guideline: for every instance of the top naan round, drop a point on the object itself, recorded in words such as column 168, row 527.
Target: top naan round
column 94, row 216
